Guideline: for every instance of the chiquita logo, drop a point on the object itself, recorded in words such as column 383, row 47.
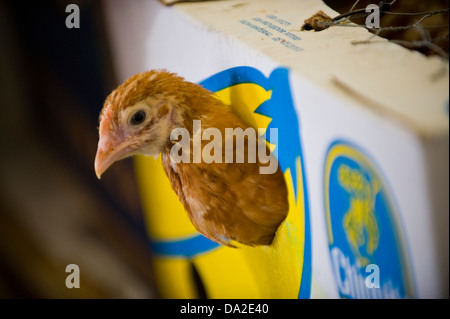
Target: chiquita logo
column 368, row 252
column 281, row 270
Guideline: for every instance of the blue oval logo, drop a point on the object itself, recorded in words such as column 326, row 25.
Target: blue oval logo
column 368, row 252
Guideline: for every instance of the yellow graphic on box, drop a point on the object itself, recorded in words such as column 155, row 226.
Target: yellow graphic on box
column 273, row 271
column 361, row 215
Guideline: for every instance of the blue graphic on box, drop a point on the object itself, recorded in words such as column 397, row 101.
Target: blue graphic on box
column 362, row 227
column 280, row 108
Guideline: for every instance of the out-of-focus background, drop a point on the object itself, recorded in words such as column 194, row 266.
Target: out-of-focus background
column 53, row 210
column 431, row 38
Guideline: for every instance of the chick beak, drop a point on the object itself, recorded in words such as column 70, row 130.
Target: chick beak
column 108, row 152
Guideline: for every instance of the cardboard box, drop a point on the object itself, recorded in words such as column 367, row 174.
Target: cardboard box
column 363, row 142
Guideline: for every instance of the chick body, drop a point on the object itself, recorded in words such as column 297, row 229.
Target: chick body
column 225, row 201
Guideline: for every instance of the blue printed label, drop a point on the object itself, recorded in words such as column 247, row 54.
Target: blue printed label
column 368, row 252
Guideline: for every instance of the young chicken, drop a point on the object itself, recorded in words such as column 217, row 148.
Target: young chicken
column 226, row 202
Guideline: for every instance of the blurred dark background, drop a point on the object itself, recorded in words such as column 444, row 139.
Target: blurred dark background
column 53, row 210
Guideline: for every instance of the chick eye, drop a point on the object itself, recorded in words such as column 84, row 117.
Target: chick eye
column 137, row 118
